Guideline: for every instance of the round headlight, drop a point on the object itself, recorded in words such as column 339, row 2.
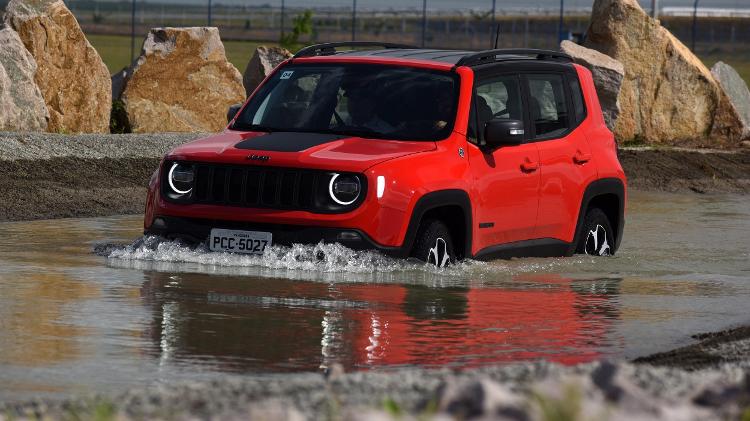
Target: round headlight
column 344, row 189
column 181, row 178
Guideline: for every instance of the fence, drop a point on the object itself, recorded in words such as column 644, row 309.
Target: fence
column 517, row 23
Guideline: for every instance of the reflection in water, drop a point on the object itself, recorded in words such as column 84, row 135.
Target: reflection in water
column 33, row 330
column 75, row 322
column 277, row 324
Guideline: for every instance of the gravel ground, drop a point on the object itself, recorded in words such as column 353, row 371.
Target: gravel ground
column 539, row 391
column 55, row 176
column 35, row 146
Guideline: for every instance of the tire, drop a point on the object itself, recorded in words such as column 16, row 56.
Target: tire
column 595, row 226
column 433, row 244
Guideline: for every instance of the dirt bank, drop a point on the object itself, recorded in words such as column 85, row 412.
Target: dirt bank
column 683, row 170
column 731, row 346
column 54, row 176
column 46, row 176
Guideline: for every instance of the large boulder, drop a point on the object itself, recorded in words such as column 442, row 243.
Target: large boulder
column 22, row 106
column 261, row 64
column 607, row 73
column 72, row 77
column 667, row 96
column 736, row 89
column 182, row 82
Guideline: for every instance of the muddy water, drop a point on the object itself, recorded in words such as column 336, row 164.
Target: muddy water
column 72, row 321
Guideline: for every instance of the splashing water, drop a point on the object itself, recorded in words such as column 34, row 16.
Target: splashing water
column 322, row 261
column 321, row 257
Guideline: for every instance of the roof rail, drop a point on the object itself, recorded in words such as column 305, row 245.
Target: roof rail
column 490, row 56
column 329, row 48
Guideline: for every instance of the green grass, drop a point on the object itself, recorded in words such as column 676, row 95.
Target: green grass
column 740, row 62
column 115, row 50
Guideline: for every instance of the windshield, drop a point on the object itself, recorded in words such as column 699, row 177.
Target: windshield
column 373, row 101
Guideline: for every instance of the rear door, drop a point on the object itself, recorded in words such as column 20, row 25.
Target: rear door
column 505, row 179
column 557, row 109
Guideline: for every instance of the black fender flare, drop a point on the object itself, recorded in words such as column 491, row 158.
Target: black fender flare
column 434, row 200
column 596, row 188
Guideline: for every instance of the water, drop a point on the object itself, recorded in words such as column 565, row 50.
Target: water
column 72, row 321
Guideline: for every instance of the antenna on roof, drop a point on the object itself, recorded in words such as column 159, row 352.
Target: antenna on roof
column 497, row 34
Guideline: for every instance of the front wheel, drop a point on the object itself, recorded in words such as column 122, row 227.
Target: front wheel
column 433, row 244
column 597, row 238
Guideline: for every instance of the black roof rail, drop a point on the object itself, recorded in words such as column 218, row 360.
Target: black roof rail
column 330, row 47
column 490, row 56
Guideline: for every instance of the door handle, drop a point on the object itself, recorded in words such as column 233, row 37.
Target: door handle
column 529, row 165
column 581, row 158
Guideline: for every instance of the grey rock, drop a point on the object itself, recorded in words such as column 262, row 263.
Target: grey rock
column 608, row 74
column 736, row 89
column 118, row 83
column 261, row 64
column 472, row 398
column 22, row 106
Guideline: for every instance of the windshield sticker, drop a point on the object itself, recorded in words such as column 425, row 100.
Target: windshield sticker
column 287, row 74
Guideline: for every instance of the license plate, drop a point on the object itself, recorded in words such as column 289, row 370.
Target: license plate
column 251, row 242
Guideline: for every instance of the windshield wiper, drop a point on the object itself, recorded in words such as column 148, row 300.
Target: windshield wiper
column 257, row 128
column 360, row 132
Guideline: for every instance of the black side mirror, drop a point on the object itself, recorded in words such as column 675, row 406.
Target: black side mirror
column 233, row 110
column 503, row 132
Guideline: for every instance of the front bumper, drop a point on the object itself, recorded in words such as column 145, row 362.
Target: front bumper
column 197, row 230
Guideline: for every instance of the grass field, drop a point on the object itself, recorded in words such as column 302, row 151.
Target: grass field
column 115, row 50
column 740, row 62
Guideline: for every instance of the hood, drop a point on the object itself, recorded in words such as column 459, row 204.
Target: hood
column 294, row 149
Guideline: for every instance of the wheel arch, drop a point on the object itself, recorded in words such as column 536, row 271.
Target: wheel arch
column 453, row 207
column 607, row 194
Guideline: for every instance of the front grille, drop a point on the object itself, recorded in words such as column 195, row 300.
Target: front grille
column 278, row 188
column 261, row 187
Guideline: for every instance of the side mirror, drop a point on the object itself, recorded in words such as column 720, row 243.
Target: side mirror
column 233, row 110
column 503, row 132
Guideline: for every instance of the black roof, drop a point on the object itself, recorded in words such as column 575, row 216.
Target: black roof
column 455, row 57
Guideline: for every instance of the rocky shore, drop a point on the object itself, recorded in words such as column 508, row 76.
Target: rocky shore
column 719, row 390
column 44, row 176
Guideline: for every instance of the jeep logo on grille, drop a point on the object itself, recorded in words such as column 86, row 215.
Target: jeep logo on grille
column 254, row 157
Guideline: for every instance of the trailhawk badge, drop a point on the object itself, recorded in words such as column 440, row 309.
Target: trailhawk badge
column 254, row 157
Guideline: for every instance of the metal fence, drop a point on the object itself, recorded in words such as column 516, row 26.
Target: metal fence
column 473, row 24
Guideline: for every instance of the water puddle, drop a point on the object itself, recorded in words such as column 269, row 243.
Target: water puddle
column 83, row 308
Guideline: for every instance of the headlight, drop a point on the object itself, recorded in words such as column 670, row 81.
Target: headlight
column 180, row 178
column 344, row 189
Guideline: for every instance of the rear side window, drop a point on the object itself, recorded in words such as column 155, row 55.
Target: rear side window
column 547, row 104
column 497, row 98
column 579, row 107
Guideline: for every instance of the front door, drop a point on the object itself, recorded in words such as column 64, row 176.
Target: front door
column 505, row 179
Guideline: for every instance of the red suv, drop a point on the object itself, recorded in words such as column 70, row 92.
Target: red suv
column 435, row 154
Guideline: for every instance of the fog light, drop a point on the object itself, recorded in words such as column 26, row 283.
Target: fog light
column 159, row 223
column 348, row 236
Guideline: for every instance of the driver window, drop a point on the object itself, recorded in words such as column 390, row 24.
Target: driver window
column 498, row 97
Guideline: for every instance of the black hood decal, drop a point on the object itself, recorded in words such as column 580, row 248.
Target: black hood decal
column 287, row 141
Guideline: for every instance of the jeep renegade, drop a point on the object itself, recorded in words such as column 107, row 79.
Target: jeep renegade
column 435, row 154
